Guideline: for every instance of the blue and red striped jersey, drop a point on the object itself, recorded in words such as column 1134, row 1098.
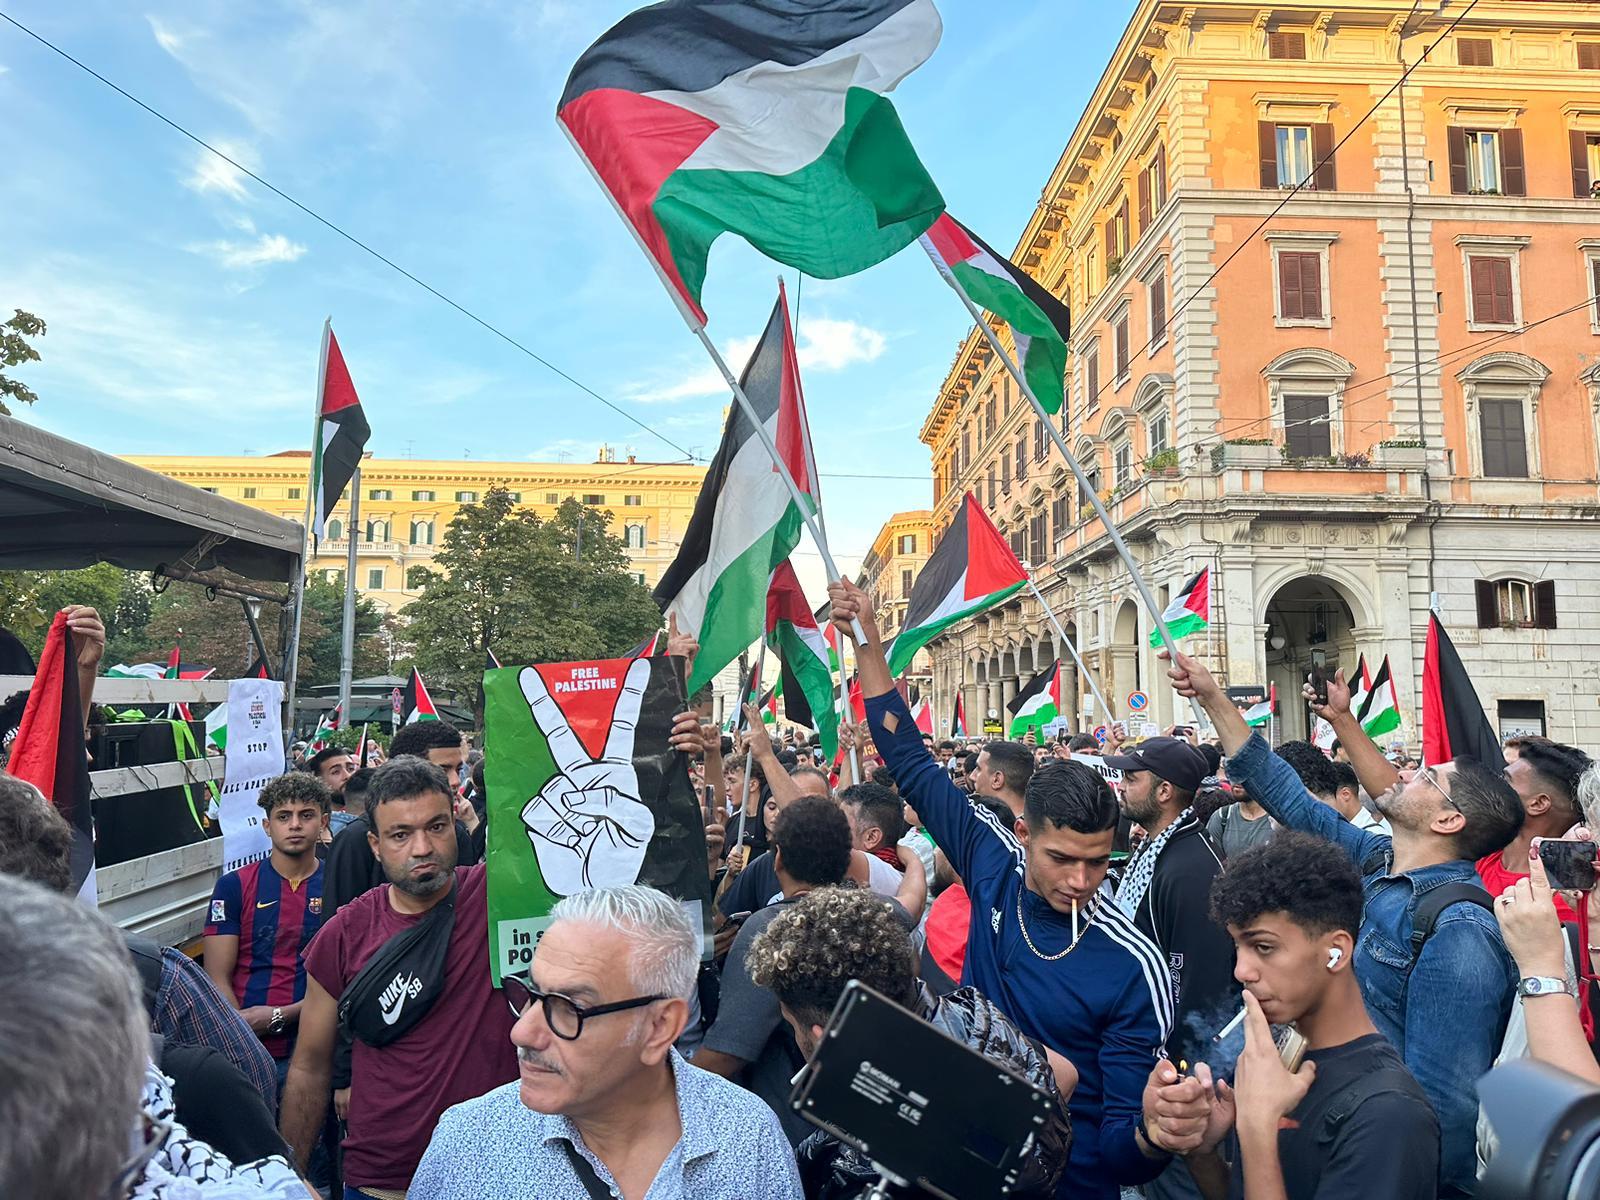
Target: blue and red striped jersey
column 274, row 923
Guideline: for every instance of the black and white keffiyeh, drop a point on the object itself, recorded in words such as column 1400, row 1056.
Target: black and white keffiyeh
column 1136, row 879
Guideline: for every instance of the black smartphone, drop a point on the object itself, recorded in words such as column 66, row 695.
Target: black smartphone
column 1568, row 865
column 1319, row 684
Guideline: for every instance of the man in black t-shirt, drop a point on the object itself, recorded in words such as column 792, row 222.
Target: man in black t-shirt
column 1351, row 1121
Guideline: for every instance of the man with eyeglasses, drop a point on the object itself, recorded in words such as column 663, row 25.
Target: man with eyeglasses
column 604, row 1106
column 1441, row 1000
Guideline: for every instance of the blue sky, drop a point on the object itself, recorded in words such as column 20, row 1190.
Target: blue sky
column 184, row 301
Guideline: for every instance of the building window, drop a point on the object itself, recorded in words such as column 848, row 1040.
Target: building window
column 1295, row 159
column 1591, row 264
column 1307, row 429
column 1120, row 344
column 1301, row 280
column 1152, row 189
column 1286, row 45
column 632, row 501
column 1297, row 155
column 1060, row 516
column 633, row 537
column 1514, row 604
column 1157, row 290
column 1117, row 238
column 989, row 410
column 1091, row 372
column 377, row 531
column 1018, row 544
column 1122, row 464
column 1503, row 437
column 906, row 581
column 422, row 495
column 466, row 497
column 1041, row 439
column 1589, row 56
column 552, row 497
column 380, row 494
column 593, row 499
column 374, row 579
column 294, row 493
column 422, row 533
column 514, row 497
column 1487, row 161
column 1155, row 425
column 908, row 543
column 1005, row 473
column 1491, row 282
column 1022, row 457
column 249, row 493
column 638, row 577
column 335, row 529
column 1474, row 52
column 992, row 492
column 966, row 448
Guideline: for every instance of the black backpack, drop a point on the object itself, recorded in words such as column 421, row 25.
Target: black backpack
column 1432, row 905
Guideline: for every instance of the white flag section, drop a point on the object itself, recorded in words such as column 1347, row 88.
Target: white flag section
column 254, row 758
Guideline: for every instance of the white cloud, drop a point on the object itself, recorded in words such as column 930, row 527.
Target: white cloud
column 214, row 174
column 826, row 344
column 243, row 256
column 166, row 38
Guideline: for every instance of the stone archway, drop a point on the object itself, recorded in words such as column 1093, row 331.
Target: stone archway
column 1126, row 655
column 1311, row 624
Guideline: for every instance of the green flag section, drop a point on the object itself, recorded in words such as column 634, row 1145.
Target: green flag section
column 1041, row 325
column 1190, row 610
column 1258, row 715
column 1037, row 704
column 769, row 121
column 972, row 570
column 415, row 703
column 1380, row 710
column 745, row 522
column 584, row 792
column 806, row 681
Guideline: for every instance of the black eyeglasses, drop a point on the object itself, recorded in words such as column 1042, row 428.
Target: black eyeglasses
column 564, row 1015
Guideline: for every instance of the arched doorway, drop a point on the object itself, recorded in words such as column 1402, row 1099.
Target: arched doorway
column 1126, row 657
column 1310, row 625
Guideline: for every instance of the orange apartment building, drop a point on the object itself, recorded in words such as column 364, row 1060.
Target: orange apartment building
column 1384, row 397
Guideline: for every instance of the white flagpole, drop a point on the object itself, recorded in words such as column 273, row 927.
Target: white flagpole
column 1071, row 649
column 292, row 651
column 1077, row 468
column 697, row 327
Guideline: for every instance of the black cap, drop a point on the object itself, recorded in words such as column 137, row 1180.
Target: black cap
column 1169, row 758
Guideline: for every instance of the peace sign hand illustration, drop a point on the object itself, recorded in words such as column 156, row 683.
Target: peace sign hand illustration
column 587, row 825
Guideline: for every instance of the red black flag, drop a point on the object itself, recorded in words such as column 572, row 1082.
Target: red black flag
column 415, row 703
column 49, row 750
column 258, row 669
column 1453, row 720
column 958, row 723
column 341, row 436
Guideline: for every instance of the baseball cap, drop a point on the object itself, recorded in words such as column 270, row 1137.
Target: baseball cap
column 1169, row 758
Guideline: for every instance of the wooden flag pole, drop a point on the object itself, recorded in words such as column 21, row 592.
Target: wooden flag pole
column 1115, row 534
column 1071, row 648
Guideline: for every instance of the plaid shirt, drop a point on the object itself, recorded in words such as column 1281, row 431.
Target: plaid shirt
column 190, row 1010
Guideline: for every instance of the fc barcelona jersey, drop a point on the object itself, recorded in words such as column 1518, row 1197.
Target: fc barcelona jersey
column 274, row 923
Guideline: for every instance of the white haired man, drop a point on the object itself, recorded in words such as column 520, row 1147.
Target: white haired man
column 604, row 1106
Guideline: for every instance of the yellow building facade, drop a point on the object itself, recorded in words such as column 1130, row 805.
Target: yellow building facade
column 1335, row 338
column 899, row 550
column 406, row 504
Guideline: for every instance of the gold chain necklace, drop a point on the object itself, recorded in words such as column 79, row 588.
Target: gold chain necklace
column 1086, row 914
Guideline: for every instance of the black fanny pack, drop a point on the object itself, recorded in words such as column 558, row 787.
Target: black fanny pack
column 401, row 981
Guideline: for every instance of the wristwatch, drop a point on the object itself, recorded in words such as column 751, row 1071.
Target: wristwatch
column 1542, row 985
column 276, row 1024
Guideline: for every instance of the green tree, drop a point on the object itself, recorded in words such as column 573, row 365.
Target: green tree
column 14, row 351
column 532, row 590
column 30, row 599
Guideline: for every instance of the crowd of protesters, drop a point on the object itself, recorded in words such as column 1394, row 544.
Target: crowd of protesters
column 1132, row 950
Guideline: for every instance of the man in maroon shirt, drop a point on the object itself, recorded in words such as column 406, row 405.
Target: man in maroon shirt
column 460, row 1049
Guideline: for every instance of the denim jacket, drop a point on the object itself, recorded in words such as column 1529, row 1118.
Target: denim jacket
column 1448, row 1020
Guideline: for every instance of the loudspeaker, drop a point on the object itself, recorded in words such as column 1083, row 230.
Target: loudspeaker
column 141, row 823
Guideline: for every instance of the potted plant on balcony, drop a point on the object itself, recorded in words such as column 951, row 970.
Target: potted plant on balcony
column 1163, row 464
column 1401, row 454
column 1246, row 454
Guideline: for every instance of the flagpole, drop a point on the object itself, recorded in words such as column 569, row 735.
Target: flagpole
column 291, row 654
column 347, row 645
column 1071, row 649
column 750, row 753
column 1077, row 469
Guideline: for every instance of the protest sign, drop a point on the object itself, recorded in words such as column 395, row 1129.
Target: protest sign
column 1109, row 773
column 253, row 759
column 584, row 792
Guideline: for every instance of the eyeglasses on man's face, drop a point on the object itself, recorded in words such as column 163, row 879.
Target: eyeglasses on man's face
column 1427, row 774
column 564, row 1015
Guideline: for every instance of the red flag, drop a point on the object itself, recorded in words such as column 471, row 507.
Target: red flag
column 49, row 750
column 1453, row 720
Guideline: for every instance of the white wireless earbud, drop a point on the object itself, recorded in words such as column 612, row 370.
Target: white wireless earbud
column 1334, row 955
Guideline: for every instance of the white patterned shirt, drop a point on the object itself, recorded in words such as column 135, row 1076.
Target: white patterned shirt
column 496, row 1148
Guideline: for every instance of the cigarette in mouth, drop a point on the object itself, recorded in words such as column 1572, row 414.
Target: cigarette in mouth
column 1231, row 1026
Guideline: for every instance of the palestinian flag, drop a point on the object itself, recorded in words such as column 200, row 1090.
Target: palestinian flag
column 341, row 435
column 415, row 703
column 1380, row 707
column 922, row 716
column 1360, row 683
column 361, row 748
column 805, row 680
column 745, row 522
column 653, row 645
column 1258, row 715
column 769, row 120
column 1189, row 612
column 823, row 616
column 958, row 723
column 973, row 569
column 49, row 751
column 1040, row 324
column 177, row 669
column 769, row 704
column 217, row 726
column 326, row 724
column 257, row 669
column 1453, row 721
column 1037, row 704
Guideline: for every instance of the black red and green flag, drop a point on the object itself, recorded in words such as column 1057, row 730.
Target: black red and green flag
column 1189, row 612
column 770, row 121
column 972, row 570
column 805, row 680
column 340, row 437
column 1037, row 704
column 1454, row 724
column 415, row 703
column 958, row 723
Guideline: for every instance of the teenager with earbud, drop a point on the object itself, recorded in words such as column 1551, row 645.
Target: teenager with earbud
column 1351, row 1121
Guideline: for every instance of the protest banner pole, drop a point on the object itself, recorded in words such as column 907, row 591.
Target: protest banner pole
column 1112, row 531
column 291, row 653
column 697, row 327
column 347, row 640
column 749, row 753
column 1071, row 649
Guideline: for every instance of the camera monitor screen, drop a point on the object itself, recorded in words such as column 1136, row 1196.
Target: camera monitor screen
column 924, row 1108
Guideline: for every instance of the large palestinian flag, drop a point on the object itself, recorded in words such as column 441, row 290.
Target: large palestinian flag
column 1379, row 712
column 1040, row 324
column 1261, row 713
column 1453, row 720
column 49, row 751
column 1037, row 704
column 415, row 703
column 806, row 682
column 769, row 120
column 341, row 435
column 1189, row 612
column 745, row 522
column 973, row 569
column 958, row 722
